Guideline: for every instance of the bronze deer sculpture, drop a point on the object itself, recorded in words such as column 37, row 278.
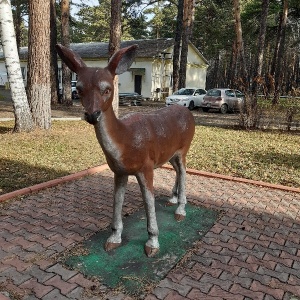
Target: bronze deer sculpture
column 135, row 144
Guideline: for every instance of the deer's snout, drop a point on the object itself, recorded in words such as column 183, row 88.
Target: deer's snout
column 92, row 118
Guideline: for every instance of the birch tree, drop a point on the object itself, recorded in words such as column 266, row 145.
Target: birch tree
column 114, row 43
column 23, row 118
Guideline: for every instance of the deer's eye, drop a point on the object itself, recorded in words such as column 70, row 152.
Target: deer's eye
column 107, row 91
column 105, row 88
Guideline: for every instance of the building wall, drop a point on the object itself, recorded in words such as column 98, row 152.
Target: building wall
column 138, row 68
column 156, row 73
column 196, row 70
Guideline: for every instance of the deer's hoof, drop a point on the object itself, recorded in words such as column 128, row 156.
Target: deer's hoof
column 150, row 252
column 110, row 246
column 179, row 217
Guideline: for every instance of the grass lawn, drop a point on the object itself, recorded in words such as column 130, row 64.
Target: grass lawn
column 71, row 146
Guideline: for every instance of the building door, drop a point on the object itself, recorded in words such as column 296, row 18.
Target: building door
column 138, row 84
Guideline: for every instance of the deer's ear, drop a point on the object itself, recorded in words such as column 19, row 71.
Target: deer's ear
column 72, row 59
column 122, row 60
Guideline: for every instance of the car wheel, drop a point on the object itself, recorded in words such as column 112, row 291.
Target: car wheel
column 205, row 109
column 74, row 95
column 224, row 109
column 191, row 105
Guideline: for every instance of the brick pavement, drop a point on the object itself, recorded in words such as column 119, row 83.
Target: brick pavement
column 252, row 251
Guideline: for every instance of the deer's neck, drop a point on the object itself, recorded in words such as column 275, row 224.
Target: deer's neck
column 107, row 130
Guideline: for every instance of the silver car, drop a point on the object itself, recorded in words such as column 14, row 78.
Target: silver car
column 224, row 100
column 189, row 97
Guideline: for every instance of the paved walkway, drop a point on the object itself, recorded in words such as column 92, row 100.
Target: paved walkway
column 252, row 251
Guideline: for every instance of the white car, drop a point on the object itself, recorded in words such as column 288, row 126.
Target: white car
column 73, row 90
column 188, row 97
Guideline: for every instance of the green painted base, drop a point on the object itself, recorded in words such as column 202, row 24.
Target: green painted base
column 128, row 266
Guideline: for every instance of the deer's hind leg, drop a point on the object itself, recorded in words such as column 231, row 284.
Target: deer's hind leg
column 115, row 239
column 178, row 192
column 174, row 198
column 145, row 180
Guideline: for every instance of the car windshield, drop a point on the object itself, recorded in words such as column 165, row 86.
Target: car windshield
column 184, row 92
column 214, row 93
column 229, row 93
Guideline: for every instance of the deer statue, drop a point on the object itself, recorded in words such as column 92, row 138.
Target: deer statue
column 135, row 144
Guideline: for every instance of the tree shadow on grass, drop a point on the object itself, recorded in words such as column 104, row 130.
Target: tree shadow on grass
column 16, row 175
column 281, row 159
column 6, row 127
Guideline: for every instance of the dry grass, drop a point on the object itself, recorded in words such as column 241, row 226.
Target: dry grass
column 272, row 157
column 71, row 146
column 31, row 158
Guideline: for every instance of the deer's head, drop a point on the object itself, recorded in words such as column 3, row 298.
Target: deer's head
column 95, row 86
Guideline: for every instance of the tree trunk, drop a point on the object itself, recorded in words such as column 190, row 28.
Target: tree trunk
column 276, row 47
column 53, row 53
column 279, row 62
column 241, row 75
column 177, row 44
column 39, row 85
column 248, row 116
column 260, row 51
column 18, row 23
column 114, row 44
column 230, row 78
column 188, row 17
column 23, row 118
column 65, row 40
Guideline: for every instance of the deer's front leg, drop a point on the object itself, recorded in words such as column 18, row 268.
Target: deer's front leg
column 115, row 239
column 180, row 212
column 145, row 180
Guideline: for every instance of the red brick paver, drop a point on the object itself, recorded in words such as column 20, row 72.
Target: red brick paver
column 252, row 251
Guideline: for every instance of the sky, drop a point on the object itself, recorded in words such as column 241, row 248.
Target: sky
column 88, row 2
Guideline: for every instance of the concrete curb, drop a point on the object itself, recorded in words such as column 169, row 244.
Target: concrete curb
column 238, row 179
column 98, row 169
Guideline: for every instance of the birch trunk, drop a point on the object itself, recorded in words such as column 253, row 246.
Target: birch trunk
column 23, row 118
column 114, row 44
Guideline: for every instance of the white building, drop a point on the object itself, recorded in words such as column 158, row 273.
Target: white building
column 150, row 74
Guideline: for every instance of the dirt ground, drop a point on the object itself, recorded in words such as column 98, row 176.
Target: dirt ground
column 268, row 120
column 212, row 118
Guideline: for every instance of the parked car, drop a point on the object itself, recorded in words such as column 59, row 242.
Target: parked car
column 189, row 97
column 130, row 99
column 73, row 90
column 224, row 100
